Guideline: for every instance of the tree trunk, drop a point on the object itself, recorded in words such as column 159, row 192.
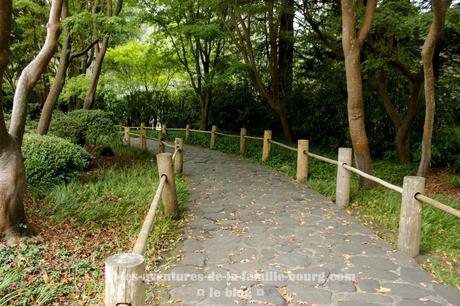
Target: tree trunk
column 59, row 80
column 91, row 93
column 12, row 188
column 356, row 119
column 439, row 8
column 281, row 112
column 352, row 51
column 286, row 47
column 12, row 175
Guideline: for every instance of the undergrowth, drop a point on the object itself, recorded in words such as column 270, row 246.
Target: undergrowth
column 79, row 225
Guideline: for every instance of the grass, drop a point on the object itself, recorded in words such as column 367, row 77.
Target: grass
column 378, row 208
column 82, row 223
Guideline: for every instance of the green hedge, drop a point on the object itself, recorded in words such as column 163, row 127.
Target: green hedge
column 84, row 126
column 51, row 160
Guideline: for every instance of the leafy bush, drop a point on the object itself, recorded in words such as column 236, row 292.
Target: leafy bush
column 446, row 148
column 84, row 126
column 52, row 160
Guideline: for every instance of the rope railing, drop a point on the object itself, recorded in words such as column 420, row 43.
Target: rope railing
column 373, row 178
column 283, row 145
column 438, row 205
column 141, row 242
column 124, row 272
column 167, row 144
column 200, row 131
column 253, row 137
column 322, row 158
column 228, row 135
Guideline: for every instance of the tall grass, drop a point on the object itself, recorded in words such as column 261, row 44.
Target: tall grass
column 82, row 223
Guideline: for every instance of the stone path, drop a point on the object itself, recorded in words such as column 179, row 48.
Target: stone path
column 257, row 237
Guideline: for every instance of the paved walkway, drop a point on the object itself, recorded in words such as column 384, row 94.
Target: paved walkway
column 257, row 237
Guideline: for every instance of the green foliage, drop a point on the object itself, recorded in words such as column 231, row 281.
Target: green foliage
column 74, row 88
column 84, row 126
column 455, row 181
column 83, row 223
column 50, row 160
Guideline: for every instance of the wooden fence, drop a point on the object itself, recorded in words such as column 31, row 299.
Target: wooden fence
column 124, row 282
column 124, row 272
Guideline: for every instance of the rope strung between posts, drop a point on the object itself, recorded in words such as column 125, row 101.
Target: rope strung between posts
column 227, row 135
column 200, row 131
column 373, row 178
column 282, row 145
column 450, row 210
column 141, row 242
column 253, row 137
column 168, row 145
column 324, row 159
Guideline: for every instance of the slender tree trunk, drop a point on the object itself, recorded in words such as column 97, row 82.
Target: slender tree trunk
column 352, row 44
column 439, row 8
column 91, row 93
column 286, row 47
column 281, row 112
column 205, row 103
column 59, row 80
column 12, row 176
column 356, row 119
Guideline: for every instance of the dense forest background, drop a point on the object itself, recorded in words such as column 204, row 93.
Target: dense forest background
column 186, row 62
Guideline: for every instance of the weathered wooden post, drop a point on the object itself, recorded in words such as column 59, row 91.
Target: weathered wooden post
column 169, row 197
column 142, row 140
column 187, row 132
column 267, row 145
column 243, row 133
column 124, row 283
column 410, row 222
column 164, row 131
column 342, row 193
column 179, row 151
column 161, row 139
column 127, row 138
column 302, row 160
column 212, row 144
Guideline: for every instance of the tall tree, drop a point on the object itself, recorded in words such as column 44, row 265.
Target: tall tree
column 195, row 30
column 58, row 84
column 352, row 43
column 100, row 54
column 439, row 9
column 12, row 175
column 243, row 28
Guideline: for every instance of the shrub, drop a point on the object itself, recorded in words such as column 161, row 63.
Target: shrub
column 51, row 160
column 84, row 126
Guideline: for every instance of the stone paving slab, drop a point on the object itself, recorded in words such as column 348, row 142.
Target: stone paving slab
column 256, row 237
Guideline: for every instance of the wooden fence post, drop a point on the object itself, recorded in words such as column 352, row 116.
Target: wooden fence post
column 124, row 284
column 164, row 131
column 342, row 193
column 243, row 133
column 267, row 145
column 127, row 138
column 179, row 160
column 187, row 132
column 410, row 222
column 212, row 145
column 161, row 138
column 169, row 197
column 142, row 140
column 302, row 160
